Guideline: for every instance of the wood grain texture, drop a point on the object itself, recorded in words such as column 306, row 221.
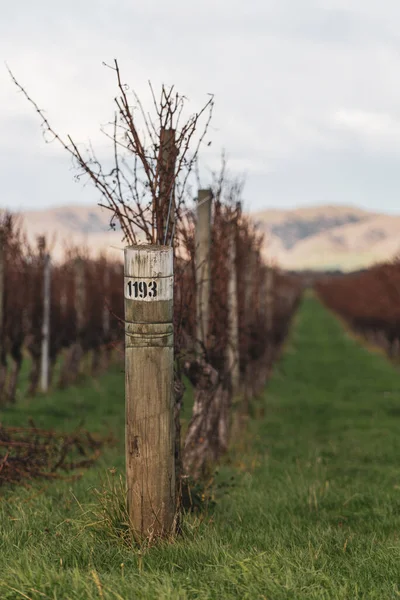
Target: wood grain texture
column 202, row 262
column 149, row 388
column 45, row 358
column 233, row 338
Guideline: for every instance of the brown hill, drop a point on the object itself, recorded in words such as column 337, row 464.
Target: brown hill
column 350, row 246
column 329, row 237
column 67, row 226
column 319, row 237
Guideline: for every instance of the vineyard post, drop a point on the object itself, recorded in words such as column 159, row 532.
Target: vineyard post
column 71, row 366
column 233, row 339
column 3, row 368
column 202, row 264
column 106, row 309
column 269, row 307
column 46, row 324
column 64, row 296
column 249, row 286
column 149, row 389
column 80, row 293
column 80, row 303
column 106, row 317
column 264, row 295
column 168, row 153
column 249, row 308
column 2, row 240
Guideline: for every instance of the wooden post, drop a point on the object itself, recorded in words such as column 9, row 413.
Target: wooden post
column 105, row 350
column 202, row 263
column 80, row 310
column 64, row 298
column 71, row 366
column 167, row 160
column 149, row 391
column 249, row 276
column 106, row 308
column 233, row 336
column 3, row 353
column 269, row 301
column 46, row 325
column 249, row 309
column 80, row 295
column 2, row 268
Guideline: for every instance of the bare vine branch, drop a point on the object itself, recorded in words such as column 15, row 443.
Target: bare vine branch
column 145, row 189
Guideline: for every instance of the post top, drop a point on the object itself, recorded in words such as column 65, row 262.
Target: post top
column 204, row 194
column 148, row 248
column 149, row 261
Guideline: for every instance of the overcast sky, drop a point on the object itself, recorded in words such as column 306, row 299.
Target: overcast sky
column 307, row 92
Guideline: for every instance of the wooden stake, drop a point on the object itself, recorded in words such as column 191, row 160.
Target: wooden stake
column 149, row 392
column 106, row 308
column 167, row 159
column 269, row 300
column 233, row 337
column 80, row 295
column 202, row 261
column 249, row 311
column 72, row 363
column 2, row 267
column 3, row 352
column 249, row 277
column 46, row 324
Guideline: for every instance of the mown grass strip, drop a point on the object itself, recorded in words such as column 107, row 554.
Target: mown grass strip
column 308, row 502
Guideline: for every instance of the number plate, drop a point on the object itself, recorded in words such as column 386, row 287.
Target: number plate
column 148, row 290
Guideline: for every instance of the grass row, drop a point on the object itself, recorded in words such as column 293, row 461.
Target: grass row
column 307, row 503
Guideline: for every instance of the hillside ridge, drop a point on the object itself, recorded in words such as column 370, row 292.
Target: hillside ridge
column 311, row 237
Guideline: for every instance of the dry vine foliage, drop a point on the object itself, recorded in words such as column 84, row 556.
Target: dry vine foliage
column 86, row 314
column 260, row 338
column 31, row 453
column 145, row 189
column 148, row 194
column 369, row 301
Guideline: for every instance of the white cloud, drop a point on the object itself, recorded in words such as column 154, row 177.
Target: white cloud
column 373, row 130
column 295, row 84
column 370, row 123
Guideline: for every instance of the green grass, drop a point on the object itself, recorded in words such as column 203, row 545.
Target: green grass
column 312, row 511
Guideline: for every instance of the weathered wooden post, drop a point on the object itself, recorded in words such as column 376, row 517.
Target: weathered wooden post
column 207, row 433
column 149, row 389
column 71, row 366
column 249, row 308
column 3, row 364
column 80, row 295
column 166, row 200
column 269, row 307
column 105, row 350
column 2, row 268
column 202, row 263
column 262, row 366
column 106, row 308
column 64, row 299
column 45, row 367
column 80, row 306
column 233, row 334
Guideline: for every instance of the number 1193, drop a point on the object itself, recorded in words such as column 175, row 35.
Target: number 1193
column 141, row 289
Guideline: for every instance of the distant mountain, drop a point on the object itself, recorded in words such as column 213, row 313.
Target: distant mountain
column 296, row 225
column 329, row 237
column 320, row 237
column 67, row 226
